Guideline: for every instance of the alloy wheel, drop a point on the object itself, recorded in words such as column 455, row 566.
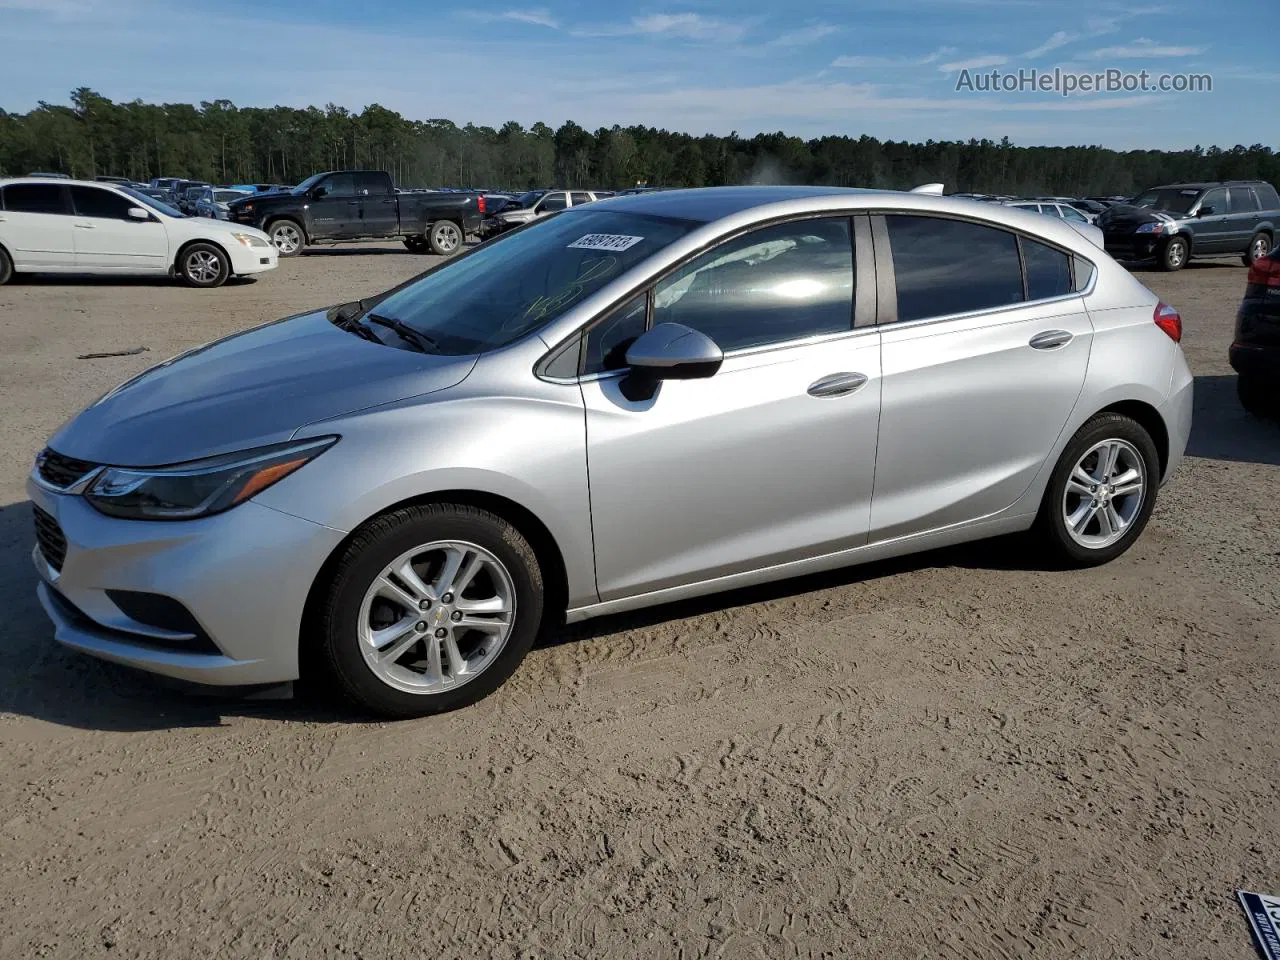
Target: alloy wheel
column 436, row 617
column 447, row 238
column 1104, row 493
column 203, row 266
column 286, row 238
column 1260, row 248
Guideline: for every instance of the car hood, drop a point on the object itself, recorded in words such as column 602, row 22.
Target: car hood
column 250, row 389
column 1125, row 217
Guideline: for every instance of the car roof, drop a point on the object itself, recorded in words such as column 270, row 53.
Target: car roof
column 715, row 203
column 100, row 184
column 1204, row 185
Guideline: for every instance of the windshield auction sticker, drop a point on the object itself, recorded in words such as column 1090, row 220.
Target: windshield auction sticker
column 1264, row 917
column 605, row 241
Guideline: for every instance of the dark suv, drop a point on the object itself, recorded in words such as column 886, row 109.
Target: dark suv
column 1172, row 224
column 1255, row 351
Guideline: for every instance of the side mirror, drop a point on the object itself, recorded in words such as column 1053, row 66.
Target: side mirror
column 1206, row 211
column 137, row 213
column 672, row 351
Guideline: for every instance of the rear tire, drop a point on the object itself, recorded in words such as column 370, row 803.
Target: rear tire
column 1086, row 519
column 288, row 237
column 6, row 267
column 446, row 238
column 203, row 265
column 1174, row 255
column 394, row 650
column 1256, row 398
column 1259, row 247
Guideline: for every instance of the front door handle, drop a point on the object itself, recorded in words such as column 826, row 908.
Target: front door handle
column 837, row 384
column 1050, row 339
column 84, row 226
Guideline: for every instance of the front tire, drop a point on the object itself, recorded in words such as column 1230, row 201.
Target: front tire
column 1101, row 493
column 1174, row 255
column 6, row 267
column 203, row 265
column 1256, row 398
column 429, row 608
column 445, row 238
column 288, row 237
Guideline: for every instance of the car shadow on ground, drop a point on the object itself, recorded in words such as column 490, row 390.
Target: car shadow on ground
column 100, row 280
column 1150, row 266
column 1222, row 430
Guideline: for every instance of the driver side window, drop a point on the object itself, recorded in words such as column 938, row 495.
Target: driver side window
column 1217, row 199
column 552, row 202
column 340, row 185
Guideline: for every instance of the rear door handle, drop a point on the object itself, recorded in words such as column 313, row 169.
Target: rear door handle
column 84, row 226
column 1050, row 339
column 837, row 384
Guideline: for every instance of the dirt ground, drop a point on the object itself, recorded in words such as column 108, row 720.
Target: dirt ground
column 954, row 755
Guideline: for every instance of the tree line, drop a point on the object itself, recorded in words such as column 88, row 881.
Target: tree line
column 220, row 142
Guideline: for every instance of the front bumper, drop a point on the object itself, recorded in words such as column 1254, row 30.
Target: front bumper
column 1132, row 246
column 247, row 260
column 243, row 575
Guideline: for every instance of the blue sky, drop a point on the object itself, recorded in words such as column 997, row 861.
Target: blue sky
column 886, row 68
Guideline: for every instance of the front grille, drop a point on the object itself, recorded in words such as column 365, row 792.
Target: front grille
column 53, row 545
column 60, row 471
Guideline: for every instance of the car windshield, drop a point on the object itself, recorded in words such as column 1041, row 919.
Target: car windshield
column 153, row 203
column 1171, row 200
column 226, row 196
column 519, row 284
column 308, row 183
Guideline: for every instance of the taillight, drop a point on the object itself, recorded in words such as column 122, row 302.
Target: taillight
column 1169, row 320
column 480, row 203
column 1265, row 272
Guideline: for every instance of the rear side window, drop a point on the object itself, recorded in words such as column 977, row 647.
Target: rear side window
column 1071, row 213
column 944, row 266
column 580, row 198
column 372, row 184
column 34, row 198
column 1048, row 270
column 1242, row 200
column 780, row 283
column 554, row 201
column 92, row 202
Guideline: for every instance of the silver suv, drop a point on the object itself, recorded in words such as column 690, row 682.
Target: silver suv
column 626, row 404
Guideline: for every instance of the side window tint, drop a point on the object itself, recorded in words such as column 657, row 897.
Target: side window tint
column 1242, row 200
column 608, row 340
column 951, row 266
column 552, row 201
column 1048, row 271
column 564, row 365
column 780, row 283
column 1216, row 198
column 1071, row 213
column 1267, row 196
column 92, row 202
column 1084, row 273
column 34, row 198
column 372, row 185
column 341, row 185
column 580, row 198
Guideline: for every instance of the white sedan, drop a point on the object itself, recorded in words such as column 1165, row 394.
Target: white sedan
column 70, row 226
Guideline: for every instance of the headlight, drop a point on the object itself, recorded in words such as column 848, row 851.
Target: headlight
column 249, row 240
column 1157, row 227
column 200, row 487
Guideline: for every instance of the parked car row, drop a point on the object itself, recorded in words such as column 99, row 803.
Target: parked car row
column 535, row 204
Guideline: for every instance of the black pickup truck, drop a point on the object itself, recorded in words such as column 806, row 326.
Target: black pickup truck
column 344, row 205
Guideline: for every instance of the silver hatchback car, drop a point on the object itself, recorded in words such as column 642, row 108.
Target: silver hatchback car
column 645, row 399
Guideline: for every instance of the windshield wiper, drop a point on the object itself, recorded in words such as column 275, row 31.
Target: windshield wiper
column 406, row 333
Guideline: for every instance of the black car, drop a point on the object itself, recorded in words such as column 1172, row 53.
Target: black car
column 343, row 205
column 1173, row 223
column 1255, row 352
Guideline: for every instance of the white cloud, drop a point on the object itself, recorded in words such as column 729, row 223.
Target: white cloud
column 975, row 63
column 804, row 35
column 936, row 55
column 1059, row 39
column 1144, row 48
column 865, row 61
column 538, row 17
column 681, row 26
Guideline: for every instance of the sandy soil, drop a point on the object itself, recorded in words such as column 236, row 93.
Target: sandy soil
column 955, row 755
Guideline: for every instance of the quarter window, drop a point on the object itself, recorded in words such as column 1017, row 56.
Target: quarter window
column 34, row 198
column 780, row 283
column 608, row 340
column 103, row 204
column 1048, row 271
column 944, row 266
